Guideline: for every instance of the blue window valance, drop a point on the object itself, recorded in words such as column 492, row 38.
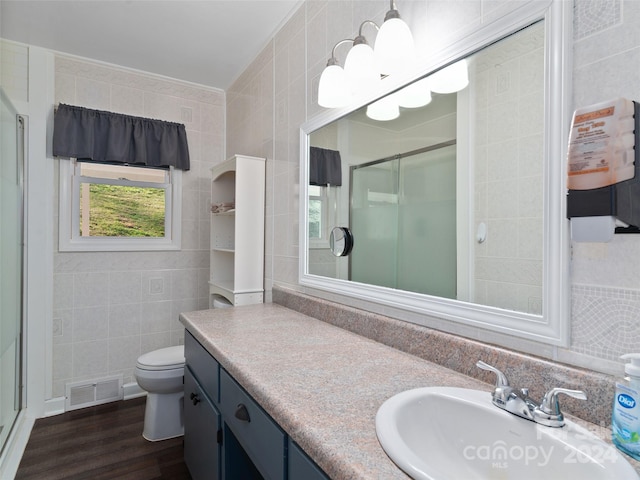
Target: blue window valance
column 325, row 167
column 108, row 137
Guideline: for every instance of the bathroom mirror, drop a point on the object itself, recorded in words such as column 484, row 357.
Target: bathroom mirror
column 456, row 208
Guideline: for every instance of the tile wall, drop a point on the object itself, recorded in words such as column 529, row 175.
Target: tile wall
column 14, row 70
column 606, row 286
column 111, row 307
column 508, row 264
column 277, row 93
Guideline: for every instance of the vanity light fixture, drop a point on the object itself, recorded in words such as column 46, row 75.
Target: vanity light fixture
column 415, row 95
column 393, row 53
column 385, row 109
column 333, row 88
column 394, row 48
column 450, row 79
column 360, row 64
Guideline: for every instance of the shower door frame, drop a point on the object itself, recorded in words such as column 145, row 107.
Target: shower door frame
column 19, row 380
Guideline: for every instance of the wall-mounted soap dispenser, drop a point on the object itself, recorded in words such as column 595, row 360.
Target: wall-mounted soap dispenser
column 604, row 171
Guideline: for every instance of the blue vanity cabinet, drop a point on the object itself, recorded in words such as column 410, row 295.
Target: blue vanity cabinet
column 302, row 467
column 202, row 420
column 259, row 436
column 204, row 367
column 227, row 435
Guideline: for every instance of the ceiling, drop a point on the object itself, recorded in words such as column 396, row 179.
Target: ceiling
column 209, row 42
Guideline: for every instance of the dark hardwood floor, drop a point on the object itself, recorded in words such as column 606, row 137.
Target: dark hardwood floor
column 102, row 442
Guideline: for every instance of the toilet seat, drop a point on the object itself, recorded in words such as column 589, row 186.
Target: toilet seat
column 162, row 359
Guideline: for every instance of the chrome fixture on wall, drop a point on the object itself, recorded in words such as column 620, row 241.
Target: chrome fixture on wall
column 393, row 54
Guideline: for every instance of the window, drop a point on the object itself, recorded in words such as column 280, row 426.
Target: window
column 321, row 220
column 317, row 212
column 118, row 207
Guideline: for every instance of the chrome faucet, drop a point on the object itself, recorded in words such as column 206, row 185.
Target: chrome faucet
column 518, row 402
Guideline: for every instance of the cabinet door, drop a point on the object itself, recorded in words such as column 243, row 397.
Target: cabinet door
column 302, row 467
column 258, row 435
column 201, row 427
column 203, row 367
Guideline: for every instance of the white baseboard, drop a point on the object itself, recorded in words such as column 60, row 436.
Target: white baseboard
column 133, row 390
column 54, row 406
column 14, row 448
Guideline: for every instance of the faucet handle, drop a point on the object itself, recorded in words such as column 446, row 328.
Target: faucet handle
column 501, row 378
column 550, row 404
column 549, row 411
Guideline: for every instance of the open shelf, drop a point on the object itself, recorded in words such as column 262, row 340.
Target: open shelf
column 237, row 235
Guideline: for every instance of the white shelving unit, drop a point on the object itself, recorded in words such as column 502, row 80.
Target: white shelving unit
column 237, row 235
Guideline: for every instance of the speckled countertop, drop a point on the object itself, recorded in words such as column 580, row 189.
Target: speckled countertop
column 323, row 385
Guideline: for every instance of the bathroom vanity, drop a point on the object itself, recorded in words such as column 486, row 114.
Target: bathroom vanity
column 228, row 435
column 310, row 389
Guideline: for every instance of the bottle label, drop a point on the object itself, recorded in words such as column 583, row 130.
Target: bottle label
column 625, row 425
column 626, row 401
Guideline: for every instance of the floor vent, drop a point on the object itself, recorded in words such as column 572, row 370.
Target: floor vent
column 93, row 392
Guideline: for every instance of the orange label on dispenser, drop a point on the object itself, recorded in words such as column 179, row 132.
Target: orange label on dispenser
column 601, row 145
column 604, row 112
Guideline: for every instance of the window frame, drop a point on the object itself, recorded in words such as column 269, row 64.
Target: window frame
column 69, row 238
column 328, row 216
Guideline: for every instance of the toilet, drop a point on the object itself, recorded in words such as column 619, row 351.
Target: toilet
column 160, row 373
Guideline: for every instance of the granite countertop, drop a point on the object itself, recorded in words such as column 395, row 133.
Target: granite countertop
column 323, row 385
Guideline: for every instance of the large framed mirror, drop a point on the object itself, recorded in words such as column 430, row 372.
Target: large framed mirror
column 456, row 207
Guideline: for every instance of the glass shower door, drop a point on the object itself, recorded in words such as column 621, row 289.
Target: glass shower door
column 427, row 250
column 374, row 223
column 403, row 220
column 11, row 239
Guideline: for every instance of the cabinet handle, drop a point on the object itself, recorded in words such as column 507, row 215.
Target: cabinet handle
column 242, row 413
column 194, row 398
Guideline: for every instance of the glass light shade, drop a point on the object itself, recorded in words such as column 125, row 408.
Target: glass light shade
column 384, row 109
column 333, row 90
column 450, row 79
column 360, row 68
column 394, row 49
column 416, row 95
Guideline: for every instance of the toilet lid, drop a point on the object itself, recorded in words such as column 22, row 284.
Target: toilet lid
column 162, row 359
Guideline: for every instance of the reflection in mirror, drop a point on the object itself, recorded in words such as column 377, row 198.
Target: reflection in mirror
column 404, row 210
column 417, row 190
column 340, row 241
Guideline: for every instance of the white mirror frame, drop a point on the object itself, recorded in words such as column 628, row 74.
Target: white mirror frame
column 552, row 327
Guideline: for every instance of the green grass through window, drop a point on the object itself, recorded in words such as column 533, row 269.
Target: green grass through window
column 119, row 211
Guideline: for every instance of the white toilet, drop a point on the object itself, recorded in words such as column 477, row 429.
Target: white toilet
column 160, row 373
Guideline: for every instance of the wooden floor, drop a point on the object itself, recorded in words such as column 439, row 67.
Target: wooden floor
column 103, row 442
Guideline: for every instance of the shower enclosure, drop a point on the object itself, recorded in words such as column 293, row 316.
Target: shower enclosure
column 11, row 265
column 403, row 220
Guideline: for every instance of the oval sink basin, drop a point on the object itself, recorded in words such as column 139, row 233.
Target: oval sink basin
column 444, row 433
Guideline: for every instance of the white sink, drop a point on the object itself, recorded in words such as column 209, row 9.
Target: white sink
column 444, row 433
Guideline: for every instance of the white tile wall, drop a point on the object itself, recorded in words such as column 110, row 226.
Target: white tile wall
column 280, row 89
column 514, row 228
column 606, row 321
column 606, row 291
column 14, row 70
column 594, row 16
column 109, row 308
